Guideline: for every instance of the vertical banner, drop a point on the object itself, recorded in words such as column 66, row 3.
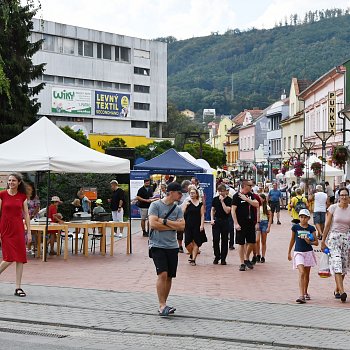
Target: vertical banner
column 332, row 112
column 136, row 182
column 206, row 181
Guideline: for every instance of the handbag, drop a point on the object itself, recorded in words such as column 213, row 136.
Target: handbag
column 151, row 231
column 203, row 236
column 324, row 270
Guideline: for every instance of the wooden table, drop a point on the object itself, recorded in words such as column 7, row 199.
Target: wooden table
column 41, row 228
column 85, row 225
column 112, row 225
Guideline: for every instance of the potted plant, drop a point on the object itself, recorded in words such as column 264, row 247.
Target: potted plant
column 284, row 170
column 316, row 167
column 340, row 155
column 275, row 171
column 298, row 169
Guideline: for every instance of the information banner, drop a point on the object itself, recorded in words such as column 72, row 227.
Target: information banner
column 70, row 101
column 112, row 104
column 206, row 181
column 136, row 182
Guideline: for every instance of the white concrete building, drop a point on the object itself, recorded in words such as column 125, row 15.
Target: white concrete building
column 102, row 82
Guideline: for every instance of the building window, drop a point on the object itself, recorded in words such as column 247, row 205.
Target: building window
column 141, row 53
column 66, row 45
column 139, row 124
column 49, row 42
column 85, row 48
column 48, row 78
column 284, row 143
column 59, row 80
column 290, row 143
column 125, row 54
column 89, row 83
column 141, row 71
column 141, row 88
column 107, row 84
column 69, row 81
column 141, row 106
column 116, row 55
column 124, row 87
column 99, row 50
column 80, row 82
column 107, row 52
column 296, row 141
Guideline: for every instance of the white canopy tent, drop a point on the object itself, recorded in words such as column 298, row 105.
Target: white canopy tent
column 330, row 171
column 200, row 162
column 44, row 147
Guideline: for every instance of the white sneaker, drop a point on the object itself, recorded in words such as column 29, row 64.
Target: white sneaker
column 120, row 235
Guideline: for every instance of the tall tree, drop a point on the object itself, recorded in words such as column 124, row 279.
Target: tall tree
column 18, row 106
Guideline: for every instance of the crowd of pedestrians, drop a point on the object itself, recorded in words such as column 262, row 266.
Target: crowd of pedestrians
column 241, row 216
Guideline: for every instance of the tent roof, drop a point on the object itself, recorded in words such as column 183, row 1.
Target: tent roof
column 43, row 146
column 169, row 162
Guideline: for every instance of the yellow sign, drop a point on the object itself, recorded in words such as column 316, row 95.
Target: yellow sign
column 332, row 112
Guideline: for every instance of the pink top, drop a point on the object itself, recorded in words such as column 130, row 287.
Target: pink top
column 341, row 218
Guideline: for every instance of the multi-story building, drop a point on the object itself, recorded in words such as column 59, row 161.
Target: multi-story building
column 293, row 125
column 102, row 82
column 218, row 131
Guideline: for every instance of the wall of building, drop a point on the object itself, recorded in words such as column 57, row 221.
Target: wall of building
column 133, row 78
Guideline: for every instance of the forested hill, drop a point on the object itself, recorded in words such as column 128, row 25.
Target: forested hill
column 238, row 70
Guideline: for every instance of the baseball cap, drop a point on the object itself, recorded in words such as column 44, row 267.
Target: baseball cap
column 99, row 201
column 174, row 186
column 304, row 212
column 56, row 199
column 114, row 182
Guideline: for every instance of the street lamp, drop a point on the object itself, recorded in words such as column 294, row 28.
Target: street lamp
column 323, row 136
column 299, row 151
column 346, row 115
column 307, row 148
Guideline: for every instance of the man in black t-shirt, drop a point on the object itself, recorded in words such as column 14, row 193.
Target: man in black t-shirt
column 144, row 195
column 117, row 202
column 220, row 213
column 244, row 218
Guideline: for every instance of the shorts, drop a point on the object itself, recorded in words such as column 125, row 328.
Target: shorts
column 144, row 213
column 263, row 225
column 319, row 217
column 275, row 206
column 165, row 260
column 180, row 235
column 246, row 234
column 308, row 259
column 117, row 216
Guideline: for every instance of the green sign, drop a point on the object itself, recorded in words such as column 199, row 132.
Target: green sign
column 71, row 101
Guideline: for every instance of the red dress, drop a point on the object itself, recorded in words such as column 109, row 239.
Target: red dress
column 12, row 228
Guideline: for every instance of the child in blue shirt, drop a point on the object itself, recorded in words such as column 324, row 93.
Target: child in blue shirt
column 303, row 236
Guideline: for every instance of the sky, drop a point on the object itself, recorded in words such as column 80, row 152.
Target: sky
column 183, row 19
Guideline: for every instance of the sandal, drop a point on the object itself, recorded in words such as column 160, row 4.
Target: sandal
column 192, row 262
column 166, row 311
column 307, row 296
column 336, row 295
column 301, row 300
column 19, row 292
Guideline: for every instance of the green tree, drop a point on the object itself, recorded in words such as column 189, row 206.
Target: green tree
column 152, row 149
column 18, row 105
column 213, row 156
column 116, row 142
column 76, row 135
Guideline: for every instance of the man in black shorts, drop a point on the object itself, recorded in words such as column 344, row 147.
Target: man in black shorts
column 163, row 243
column 243, row 214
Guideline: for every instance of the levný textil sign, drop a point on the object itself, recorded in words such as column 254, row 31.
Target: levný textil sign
column 112, row 104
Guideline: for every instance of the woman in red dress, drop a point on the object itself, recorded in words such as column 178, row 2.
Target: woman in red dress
column 13, row 208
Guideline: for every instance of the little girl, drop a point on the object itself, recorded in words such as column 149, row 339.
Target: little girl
column 303, row 236
column 264, row 228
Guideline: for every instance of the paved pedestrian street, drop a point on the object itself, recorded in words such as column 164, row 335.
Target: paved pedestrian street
column 110, row 303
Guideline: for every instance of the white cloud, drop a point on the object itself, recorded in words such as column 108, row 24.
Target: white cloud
column 180, row 18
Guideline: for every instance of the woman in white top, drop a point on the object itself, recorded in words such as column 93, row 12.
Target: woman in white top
column 264, row 228
column 336, row 237
column 320, row 209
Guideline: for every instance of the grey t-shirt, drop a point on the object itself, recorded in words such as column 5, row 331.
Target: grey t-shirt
column 164, row 239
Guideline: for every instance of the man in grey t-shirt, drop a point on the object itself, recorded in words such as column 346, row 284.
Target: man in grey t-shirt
column 163, row 242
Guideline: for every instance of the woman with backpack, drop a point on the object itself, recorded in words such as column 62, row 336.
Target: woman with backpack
column 297, row 203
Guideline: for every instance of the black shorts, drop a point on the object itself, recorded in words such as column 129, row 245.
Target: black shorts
column 275, row 207
column 165, row 260
column 246, row 234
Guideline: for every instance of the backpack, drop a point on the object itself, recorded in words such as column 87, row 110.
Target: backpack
column 300, row 205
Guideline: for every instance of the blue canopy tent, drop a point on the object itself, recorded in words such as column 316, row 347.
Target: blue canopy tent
column 170, row 162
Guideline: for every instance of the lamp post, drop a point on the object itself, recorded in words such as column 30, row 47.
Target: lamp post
column 307, row 148
column 346, row 115
column 323, row 136
column 299, row 151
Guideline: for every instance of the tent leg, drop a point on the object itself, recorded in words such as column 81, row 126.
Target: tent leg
column 47, row 217
column 129, row 210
